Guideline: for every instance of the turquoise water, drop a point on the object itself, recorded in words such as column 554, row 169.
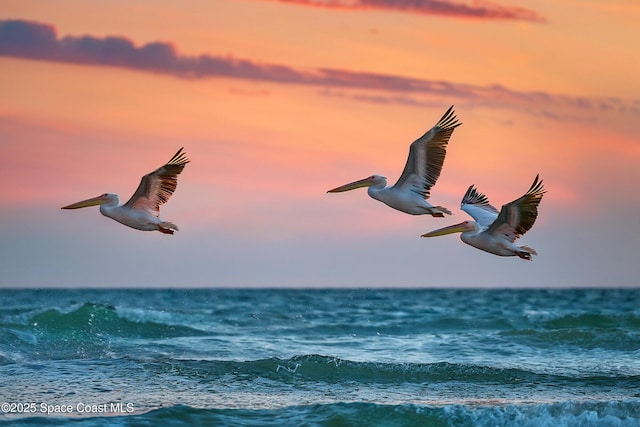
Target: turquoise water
column 278, row 357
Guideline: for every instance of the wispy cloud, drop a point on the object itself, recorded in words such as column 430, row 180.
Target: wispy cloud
column 25, row 39
column 476, row 9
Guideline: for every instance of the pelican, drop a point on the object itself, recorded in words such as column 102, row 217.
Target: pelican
column 426, row 156
column 142, row 211
column 495, row 232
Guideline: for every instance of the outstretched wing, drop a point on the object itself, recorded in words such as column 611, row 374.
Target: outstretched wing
column 157, row 187
column 517, row 217
column 426, row 156
column 477, row 205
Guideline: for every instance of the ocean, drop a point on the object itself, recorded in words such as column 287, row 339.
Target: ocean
column 320, row 357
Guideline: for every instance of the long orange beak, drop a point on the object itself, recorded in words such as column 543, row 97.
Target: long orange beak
column 457, row 228
column 86, row 203
column 352, row 186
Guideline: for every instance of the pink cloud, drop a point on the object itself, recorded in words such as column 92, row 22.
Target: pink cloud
column 33, row 40
column 474, row 10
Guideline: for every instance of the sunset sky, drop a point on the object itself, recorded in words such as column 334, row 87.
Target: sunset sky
column 278, row 101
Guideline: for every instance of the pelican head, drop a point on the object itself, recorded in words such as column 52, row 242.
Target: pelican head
column 106, row 198
column 463, row 227
column 371, row 181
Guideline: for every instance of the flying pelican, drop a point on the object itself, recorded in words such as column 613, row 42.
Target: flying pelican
column 142, row 211
column 495, row 232
column 426, row 156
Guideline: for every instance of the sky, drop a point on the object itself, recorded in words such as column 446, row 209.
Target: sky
column 277, row 101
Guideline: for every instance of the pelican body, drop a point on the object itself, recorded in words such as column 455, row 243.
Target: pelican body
column 142, row 211
column 423, row 167
column 495, row 232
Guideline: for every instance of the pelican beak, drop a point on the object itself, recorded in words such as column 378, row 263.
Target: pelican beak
column 86, row 203
column 352, row 185
column 457, row 228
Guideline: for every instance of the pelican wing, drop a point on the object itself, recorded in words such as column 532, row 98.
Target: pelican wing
column 477, row 205
column 517, row 217
column 426, row 156
column 157, row 187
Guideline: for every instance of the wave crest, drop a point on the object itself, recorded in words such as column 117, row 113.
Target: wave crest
column 91, row 320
